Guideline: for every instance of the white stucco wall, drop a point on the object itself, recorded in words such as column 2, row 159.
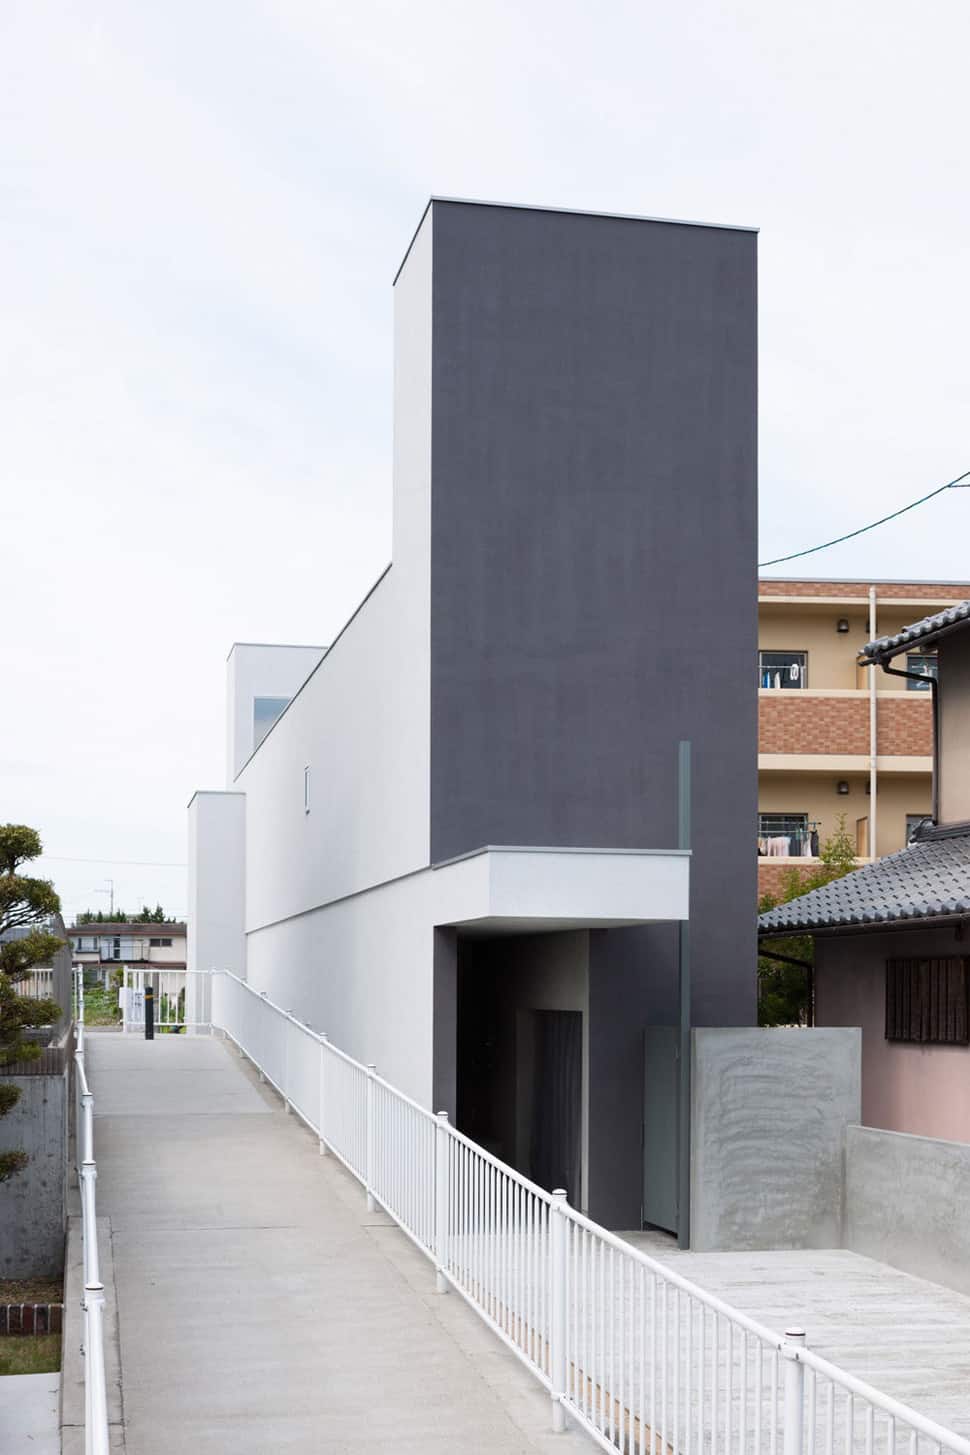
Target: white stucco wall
column 362, row 972
column 257, row 670
column 362, row 721
column 216, row 882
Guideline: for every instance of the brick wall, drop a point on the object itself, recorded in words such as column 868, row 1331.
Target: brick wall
column 31, row 1318
column 771, row 873
column 905, row 725
column 792, row 723
column 894, row 590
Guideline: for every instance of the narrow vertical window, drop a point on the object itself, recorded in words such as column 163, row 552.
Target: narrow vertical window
column 306, row 789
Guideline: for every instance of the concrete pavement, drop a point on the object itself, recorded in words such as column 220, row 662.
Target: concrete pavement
column 260, row 1307
column 907, row 1337
column 28, row 1413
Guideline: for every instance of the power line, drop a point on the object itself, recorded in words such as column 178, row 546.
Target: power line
column 795, row 555
column 140, row 863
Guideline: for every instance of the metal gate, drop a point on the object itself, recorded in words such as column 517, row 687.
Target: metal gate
column 170, row 988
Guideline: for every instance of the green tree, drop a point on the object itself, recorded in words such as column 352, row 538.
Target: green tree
column 25, row 903
column 784, row 991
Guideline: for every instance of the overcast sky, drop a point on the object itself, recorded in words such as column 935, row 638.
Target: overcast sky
column 203, row 207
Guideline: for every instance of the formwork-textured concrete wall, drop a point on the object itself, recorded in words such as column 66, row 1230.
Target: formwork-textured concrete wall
column 32, row 1203
column 906, row 1203
column 770, row 1110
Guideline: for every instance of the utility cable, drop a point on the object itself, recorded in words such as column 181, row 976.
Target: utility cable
column 141, row 863
column 795, row 555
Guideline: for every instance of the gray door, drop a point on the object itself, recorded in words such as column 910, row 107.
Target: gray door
column 549, row 1063
column 660, row 1141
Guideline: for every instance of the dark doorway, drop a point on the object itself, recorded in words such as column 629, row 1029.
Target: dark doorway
column 520, row 1053
column 549, row 1095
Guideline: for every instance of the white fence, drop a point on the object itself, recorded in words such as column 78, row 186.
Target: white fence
column 95, row 1393
column 36, row 984
column 642, row 1359
column 175, row 1001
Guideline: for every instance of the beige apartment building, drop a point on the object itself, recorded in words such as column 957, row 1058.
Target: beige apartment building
column 836, row 738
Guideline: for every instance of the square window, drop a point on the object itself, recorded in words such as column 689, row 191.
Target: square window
column 926, row 1001
column 925, row 663
column 266, row 710
column 783, row 669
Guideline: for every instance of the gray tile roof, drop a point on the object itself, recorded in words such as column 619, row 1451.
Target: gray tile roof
column 921, row 631
column 927, row 879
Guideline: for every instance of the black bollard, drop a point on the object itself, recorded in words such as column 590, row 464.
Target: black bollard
column 149, row 1013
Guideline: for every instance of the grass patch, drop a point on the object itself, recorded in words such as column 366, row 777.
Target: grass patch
column 31, row 1290
column 30, row 1354
column 101, row 1007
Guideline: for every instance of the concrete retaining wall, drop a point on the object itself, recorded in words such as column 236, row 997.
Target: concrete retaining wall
column 32, row 1203
column 906, row 1202
column 770, row 1109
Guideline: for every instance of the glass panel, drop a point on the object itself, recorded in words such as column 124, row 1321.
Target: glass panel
column 265, row 712
column 787, row 835
column 782, row 669
column 925, row 664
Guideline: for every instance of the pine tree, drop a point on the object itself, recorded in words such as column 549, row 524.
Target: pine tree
column 25, row 903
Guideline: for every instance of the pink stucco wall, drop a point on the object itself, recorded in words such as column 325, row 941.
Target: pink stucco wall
column 920, row 1089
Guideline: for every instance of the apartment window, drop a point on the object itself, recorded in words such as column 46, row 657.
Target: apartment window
column 782, row 669
column 925, row 664
column 160, row 943
column 265, row 712
column 87, row 944
column 787, row 835
column 926, row 1001
column 306, row 789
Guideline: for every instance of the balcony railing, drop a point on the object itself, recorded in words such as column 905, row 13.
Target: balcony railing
column 794, row 837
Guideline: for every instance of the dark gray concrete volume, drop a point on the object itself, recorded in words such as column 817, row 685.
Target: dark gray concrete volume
column 594, row 513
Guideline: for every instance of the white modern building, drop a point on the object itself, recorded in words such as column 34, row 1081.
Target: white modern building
column 448, row 840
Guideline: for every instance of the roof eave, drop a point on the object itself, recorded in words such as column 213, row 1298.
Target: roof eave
column 878, row 659
column 854, row 927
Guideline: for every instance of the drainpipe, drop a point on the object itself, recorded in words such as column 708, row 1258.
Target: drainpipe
column 684, row 983
column 873, row 737
column 935, row 708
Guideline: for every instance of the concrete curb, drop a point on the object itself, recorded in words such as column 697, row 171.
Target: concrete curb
column 72, row 1360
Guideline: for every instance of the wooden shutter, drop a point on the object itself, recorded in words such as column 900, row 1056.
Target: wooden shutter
column 926, row 1001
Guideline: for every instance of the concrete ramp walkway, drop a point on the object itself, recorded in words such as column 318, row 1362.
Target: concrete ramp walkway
column 260, row 1307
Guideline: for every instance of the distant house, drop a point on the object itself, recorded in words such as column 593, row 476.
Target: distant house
column 142, row 945
column 892, row 940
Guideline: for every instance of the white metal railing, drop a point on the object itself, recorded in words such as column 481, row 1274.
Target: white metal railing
column 95, row 1391
column 640, row 1357
column 36, row 984
column 175, row 1004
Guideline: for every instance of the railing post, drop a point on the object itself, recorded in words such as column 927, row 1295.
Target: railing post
column 323, row 1094
column 78, row 1114
column 89, row 1245
column 557, row 1304
column 794, row 1392
column 442, row 1199
column 95, row 1391
column 85, row 1132
column 369, row 1135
